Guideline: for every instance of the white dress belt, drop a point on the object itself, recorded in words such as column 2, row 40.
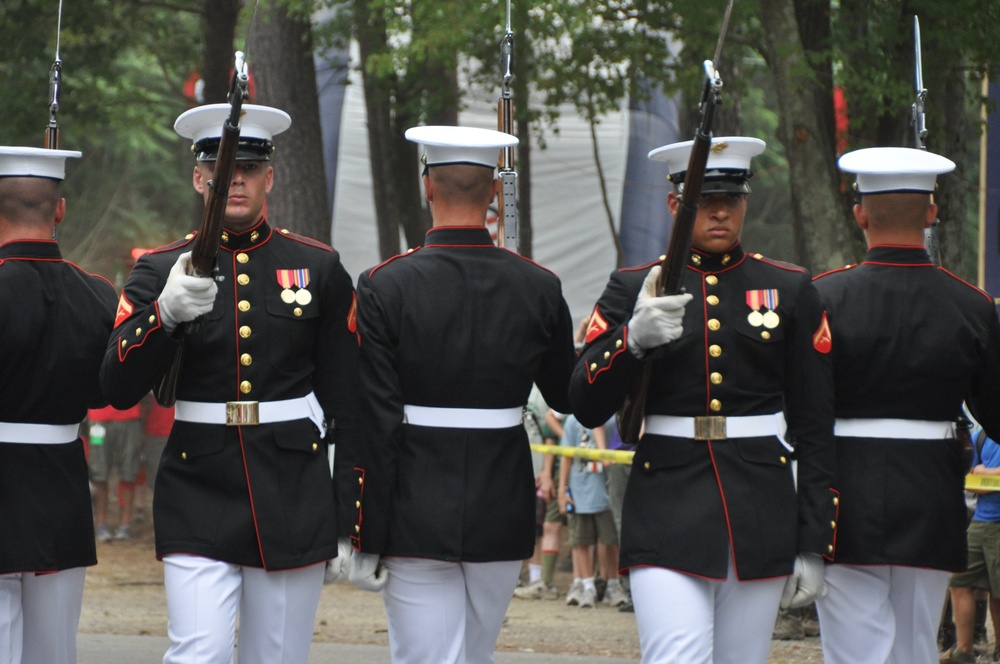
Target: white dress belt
column 251, row 413
column 893, row 428
column 716, row 427
column 38, row 434
column 463, row 418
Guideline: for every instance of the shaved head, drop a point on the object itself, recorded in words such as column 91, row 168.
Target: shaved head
column 463, row 184
column 28, row 201
column 903, row 211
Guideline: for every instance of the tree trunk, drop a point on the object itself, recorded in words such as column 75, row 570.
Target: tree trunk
column 821, row 227
column 218, row 35
column 286, row 78
column 958, row 230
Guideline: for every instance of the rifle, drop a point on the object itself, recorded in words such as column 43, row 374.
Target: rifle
column 206, row 244
column 507, row 222
column 918, row 120
column 632, row 411
column 55, row 81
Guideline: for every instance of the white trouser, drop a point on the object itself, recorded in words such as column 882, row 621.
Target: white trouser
column 276, row 611
column 39, row 616
column 690, row 619
column 446, row 613
column 881, row 614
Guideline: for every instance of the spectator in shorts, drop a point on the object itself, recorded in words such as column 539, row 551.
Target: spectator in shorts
column 583, row 497
column 543, row 586
column 984, row 559
column 115, row 444
column 156, row 423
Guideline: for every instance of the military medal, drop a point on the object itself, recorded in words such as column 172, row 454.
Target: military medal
column 754, row 301
column 771, row 320
column 298, row 278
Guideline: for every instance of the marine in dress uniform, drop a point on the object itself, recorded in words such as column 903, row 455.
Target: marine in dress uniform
column 912, row 343
column 54, row 324
column 740, row 386
column 453, row 334
column 244, row 506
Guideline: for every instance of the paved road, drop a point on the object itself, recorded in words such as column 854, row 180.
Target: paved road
column 113, row 649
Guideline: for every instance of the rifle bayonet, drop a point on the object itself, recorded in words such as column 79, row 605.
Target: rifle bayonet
column 918, row 111
column 507, row 221
column 55, row 82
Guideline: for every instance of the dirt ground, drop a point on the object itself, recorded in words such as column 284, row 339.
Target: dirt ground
column 124, row 595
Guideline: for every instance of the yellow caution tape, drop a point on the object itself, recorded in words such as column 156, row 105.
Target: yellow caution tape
column 615, row 456
column 983, row 482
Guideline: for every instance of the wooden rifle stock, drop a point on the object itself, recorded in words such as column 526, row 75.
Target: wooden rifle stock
column 671, row 280
column 205, row 248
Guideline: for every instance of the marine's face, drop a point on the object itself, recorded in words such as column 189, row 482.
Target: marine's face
column 719, row 222
column 248, row 190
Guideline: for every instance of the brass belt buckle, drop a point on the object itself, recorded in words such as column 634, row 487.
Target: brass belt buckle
column 242, row 413
column 710, row 427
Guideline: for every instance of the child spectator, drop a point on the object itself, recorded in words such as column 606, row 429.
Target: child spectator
column 583, row 496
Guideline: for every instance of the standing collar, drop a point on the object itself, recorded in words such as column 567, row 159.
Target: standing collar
column 471, row 236
column 246, row 239
column 31, row 249
column 704, row 262
column 898, row 254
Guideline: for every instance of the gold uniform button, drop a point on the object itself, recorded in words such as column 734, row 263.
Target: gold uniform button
column 243, row 305
column 618, row 344
column 663, row 258
column 284, row 231
column 646, row 465
column 246, row 359
column 607, row 354
column 711, row 280
column 357, row 504
column 245, row 331
column 783, row 460
column 829, row 548
column 714, row 324
column 225, row 236
column 696, row 259
column 243, row 279
column 765, row 334
column 152, row 319
column 715, row 405
column 715, row 350
column 138, row 331
column 245, row 387
column 189, row 236
column 184, row 455
column 716, row 378
column 123, row 343
column 242, row 258
column 361, row 480
column 297, row 311
column 315, row 447
column 726, row 259
column 836, row 501
column 712, row 300
column 593, row 366
column 833, row 524
column 254, row 236
column 357, row 529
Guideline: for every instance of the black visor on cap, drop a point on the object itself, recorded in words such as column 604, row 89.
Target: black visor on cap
column 719, row 181
column 249, row 149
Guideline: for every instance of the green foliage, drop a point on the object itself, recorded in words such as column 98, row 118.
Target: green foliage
column 123, row 67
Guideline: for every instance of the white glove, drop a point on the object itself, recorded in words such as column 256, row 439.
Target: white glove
column 185, row 297
column 806, row 584
column 338, row 569
column 656, row 320
column 367, row 571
